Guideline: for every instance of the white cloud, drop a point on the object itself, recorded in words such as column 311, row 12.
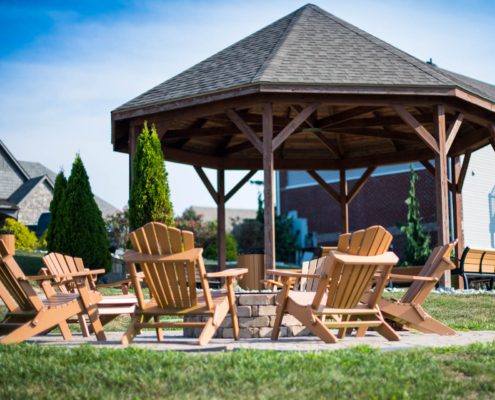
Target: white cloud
column 56, row 96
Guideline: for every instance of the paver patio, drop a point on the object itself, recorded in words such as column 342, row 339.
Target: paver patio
column 174, row 340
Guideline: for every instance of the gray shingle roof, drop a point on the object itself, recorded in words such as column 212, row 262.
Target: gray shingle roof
column 35, row 169
column 480, row 88
column 24, row 189
column 308, row 46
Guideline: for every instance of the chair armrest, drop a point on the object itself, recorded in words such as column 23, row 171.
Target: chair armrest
column 276, row 272
column 38, row 277
column 231, row 272
column 113, row 284
column 409, row 278
column 132, row 256
column 76, row 274
column 388, row 258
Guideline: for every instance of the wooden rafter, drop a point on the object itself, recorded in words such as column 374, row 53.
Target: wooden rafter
column 329, row 143
column 240, row 184
column 419, row 129
column 381, row 121
column 291, row 127
column 379, row 133
column 491, row 130
column 245, row 128
column 360, row 183
column 453, row 130
column 207, row 183
column 462, row 174
column 344, row 116
column 329, row 189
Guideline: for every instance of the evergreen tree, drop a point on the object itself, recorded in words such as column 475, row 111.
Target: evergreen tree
column 417, row 241
column 53, row 231
column 82, row 229
column 150, row 193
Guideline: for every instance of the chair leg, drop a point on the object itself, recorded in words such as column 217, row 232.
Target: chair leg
column 64, row 328
column 282, row 305
column 131, row 331
column 83, row 325
column 233, row 308
column 309, row 320
column 159, row 331
column 213, row 323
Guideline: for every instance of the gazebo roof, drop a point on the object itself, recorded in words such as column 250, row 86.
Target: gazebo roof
column 308, row 46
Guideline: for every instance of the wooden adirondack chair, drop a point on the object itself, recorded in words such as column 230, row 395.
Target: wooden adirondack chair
column 109, row 307
column 28, row 315
column 308, row 268
column 170, row 266
column 408, row 311
column 344, row 279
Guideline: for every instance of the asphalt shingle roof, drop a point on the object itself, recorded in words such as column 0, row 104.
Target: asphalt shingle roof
column 308, row 46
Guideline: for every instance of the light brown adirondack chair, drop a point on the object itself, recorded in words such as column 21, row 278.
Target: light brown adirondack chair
column 28, row 315
column 308, row 268
column 408, row 311
column 344, row 279
column 109, row 307
column 170, row 265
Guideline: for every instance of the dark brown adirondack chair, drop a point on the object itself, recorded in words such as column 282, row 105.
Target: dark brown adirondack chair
column 408, row 311
column 344, row 279
column 109, row 307
column 170, row 268
column 28, row 315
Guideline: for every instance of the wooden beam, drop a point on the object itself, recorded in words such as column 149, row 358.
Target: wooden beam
column 293, row 125
column 197, row 132
column 207, row 183
column 237, row 148
column 441, row 184
column 457, row 207
column 377, row 121
column 491, row 130
column 269, row 212
column 329, row 189
column 360, row 183
column 417, row 127
column 453, row 130
column 240, row 184
column 462, row 173
column 245, row 128
column 222, row 252
column 343, row 116
column 379, row 133
column 329, row 143
column 430, row 168
column 344, row 205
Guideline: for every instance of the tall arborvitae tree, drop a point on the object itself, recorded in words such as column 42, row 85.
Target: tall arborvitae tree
column 82, row 229
column 150, row 193
column 53, row 231
column 417, row 241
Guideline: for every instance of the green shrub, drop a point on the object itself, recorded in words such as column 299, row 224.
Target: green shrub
column 24, row 238
column 211, row 251
column 150, row 193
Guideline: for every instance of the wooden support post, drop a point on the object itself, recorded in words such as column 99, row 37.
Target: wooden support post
column 222, row 251
column 457, row 206
column 269, row 228
column 441, row 184
column 344, row 205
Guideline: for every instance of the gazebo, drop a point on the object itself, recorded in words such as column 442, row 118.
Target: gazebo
column 312, row 92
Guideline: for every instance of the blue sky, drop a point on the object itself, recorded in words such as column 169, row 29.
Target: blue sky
column 64, row 65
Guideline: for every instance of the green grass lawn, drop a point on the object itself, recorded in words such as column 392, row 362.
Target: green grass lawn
column 30, row 371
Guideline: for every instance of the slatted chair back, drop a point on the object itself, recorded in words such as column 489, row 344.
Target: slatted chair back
column 434, row 267
column 172, row 284
column 346, row 282
column 15, row 291
column 472, row 260
column 312, row 267
column 58, row 264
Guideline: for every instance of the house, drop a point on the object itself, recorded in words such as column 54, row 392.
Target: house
column 231, row 214
column 26, row 190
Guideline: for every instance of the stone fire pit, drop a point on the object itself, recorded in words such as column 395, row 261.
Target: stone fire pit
column 256, row 313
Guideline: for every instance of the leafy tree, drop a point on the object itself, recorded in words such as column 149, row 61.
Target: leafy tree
column 417, row 241
column 211, row 251
column 24, row 238
column 53, row 231
column 82, row 229
column 150, row 193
